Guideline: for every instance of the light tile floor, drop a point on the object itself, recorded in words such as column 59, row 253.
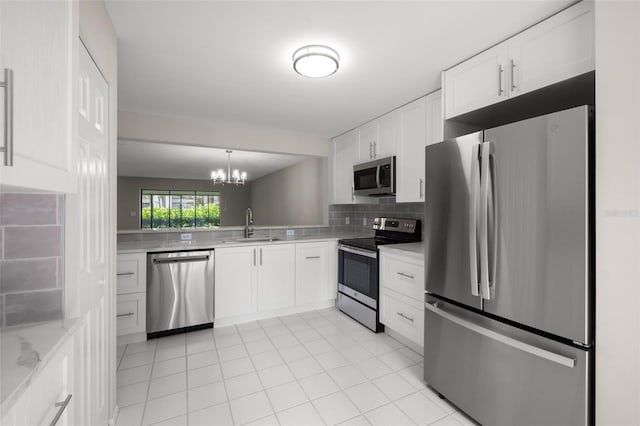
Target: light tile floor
column 314, row 368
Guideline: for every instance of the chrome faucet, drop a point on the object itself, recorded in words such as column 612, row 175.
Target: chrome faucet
column 248, row 222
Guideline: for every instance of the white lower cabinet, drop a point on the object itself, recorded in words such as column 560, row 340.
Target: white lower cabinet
column 402, row 293
column 44, row 397
column 276, row 276
column 273, row 279
column 314, row 281
column 131, row 299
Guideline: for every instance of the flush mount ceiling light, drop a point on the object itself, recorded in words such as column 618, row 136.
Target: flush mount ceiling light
column 315, row 61
column 235, row 178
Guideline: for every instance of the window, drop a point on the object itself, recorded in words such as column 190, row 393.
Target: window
column 179, row 209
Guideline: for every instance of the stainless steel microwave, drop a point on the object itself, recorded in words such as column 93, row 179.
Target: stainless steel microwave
column 375, row 178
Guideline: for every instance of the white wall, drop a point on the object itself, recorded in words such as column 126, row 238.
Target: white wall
column 217, row 134
column 99, row 37
column 617, row 212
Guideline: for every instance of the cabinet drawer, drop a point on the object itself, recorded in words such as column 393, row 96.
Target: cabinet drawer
column 403, row 276
column 403, row 315
column 132, row 273
column 131, row 313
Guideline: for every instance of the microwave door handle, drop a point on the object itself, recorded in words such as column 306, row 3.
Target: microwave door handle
column 378, row 183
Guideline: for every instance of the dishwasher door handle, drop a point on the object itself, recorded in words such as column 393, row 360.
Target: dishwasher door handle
column 203, row 258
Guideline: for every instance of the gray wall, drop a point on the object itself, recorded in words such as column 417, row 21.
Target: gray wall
column 296, row 195
column 234, row 200
column 31, row 258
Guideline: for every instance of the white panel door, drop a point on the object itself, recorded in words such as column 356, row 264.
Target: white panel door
column 312, row 272
column 477, row 82
column 88, row 244
column 410, row 158
column 235, row 281
column 39, row 43
column 554, row 50
column 276, row 276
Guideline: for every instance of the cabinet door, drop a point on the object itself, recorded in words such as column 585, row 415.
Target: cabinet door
column 312, row 273
column 235, row 281
column 477, row 82
column 367, row 141
column 554, row 50
column 388, row 135
column 410, row 158
column 39, row 42
column 344, row 148
column 276, row 276
column 435, row 121
column 132, row 273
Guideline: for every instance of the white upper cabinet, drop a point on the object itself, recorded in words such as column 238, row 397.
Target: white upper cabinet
column 388, row 135
column 420, row 124
column 554, row 50
column 344, row 155
column 39, row 44
column 410, row 158
column 477, row 82
column 367, row 141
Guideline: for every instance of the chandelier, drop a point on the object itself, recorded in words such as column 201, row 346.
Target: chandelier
column 236, row 178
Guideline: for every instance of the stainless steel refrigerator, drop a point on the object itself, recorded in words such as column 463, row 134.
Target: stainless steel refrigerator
column 508, row 252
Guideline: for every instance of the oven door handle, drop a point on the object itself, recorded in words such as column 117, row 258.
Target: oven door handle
column 366, row 253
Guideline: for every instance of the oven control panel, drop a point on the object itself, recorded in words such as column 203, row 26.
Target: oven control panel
column 394, row 224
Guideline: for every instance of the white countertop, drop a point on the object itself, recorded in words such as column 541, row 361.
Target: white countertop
column 414, row 249
column 24, row 351
column 155, row 246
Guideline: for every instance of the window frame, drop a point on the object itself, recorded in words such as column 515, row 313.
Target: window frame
column 171, row 221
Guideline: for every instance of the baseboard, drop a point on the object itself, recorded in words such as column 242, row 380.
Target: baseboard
column 223, row 322
column 126, row 339
column 407, row 342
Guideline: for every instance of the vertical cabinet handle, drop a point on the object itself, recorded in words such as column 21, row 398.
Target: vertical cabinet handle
column 260, row 256
column 421, row 188
column 374, row 149
column 370, row 150
column 254, row 257
column 8, row 117
column 512, row 76
column 353, row 193
column 500, row 71
column 63, row 406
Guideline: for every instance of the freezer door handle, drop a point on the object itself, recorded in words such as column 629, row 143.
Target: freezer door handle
column 509, row 341
column 473, row 219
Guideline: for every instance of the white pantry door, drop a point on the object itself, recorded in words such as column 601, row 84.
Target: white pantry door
column 91, row 205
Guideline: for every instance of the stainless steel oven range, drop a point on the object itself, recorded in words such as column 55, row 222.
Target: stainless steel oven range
column 358, row 293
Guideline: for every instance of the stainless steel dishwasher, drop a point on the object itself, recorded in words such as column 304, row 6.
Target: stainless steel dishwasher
column 180, row 292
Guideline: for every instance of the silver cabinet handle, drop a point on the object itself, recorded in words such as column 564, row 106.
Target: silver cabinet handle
column 123, row 274
column 500, row 71
column 254, row 257
column 402, row 274
column 370, row 150
column 509, row 341
column 8, row 117
column 260, row 256
column 513, row 75
column 421, row 188
column 128, row 314
column 374, row 149
column 312, row 257
column 62, row 406
column 353, row 193
column 408, row 318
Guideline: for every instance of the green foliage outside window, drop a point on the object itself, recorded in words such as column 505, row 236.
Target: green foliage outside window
column 179, row 209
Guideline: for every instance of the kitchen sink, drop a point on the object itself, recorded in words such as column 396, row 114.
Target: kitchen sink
column 253, row 240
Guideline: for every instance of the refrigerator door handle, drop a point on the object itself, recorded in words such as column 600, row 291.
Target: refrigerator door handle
column 473, row 219
column 484, row 220
column 493, row 246
column 509, row 341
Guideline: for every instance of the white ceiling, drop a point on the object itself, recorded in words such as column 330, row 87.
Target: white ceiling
column 158, row 160
column 231, row 60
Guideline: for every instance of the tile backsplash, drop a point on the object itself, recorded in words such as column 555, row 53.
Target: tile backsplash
column 31, row 258
column 361, row 215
